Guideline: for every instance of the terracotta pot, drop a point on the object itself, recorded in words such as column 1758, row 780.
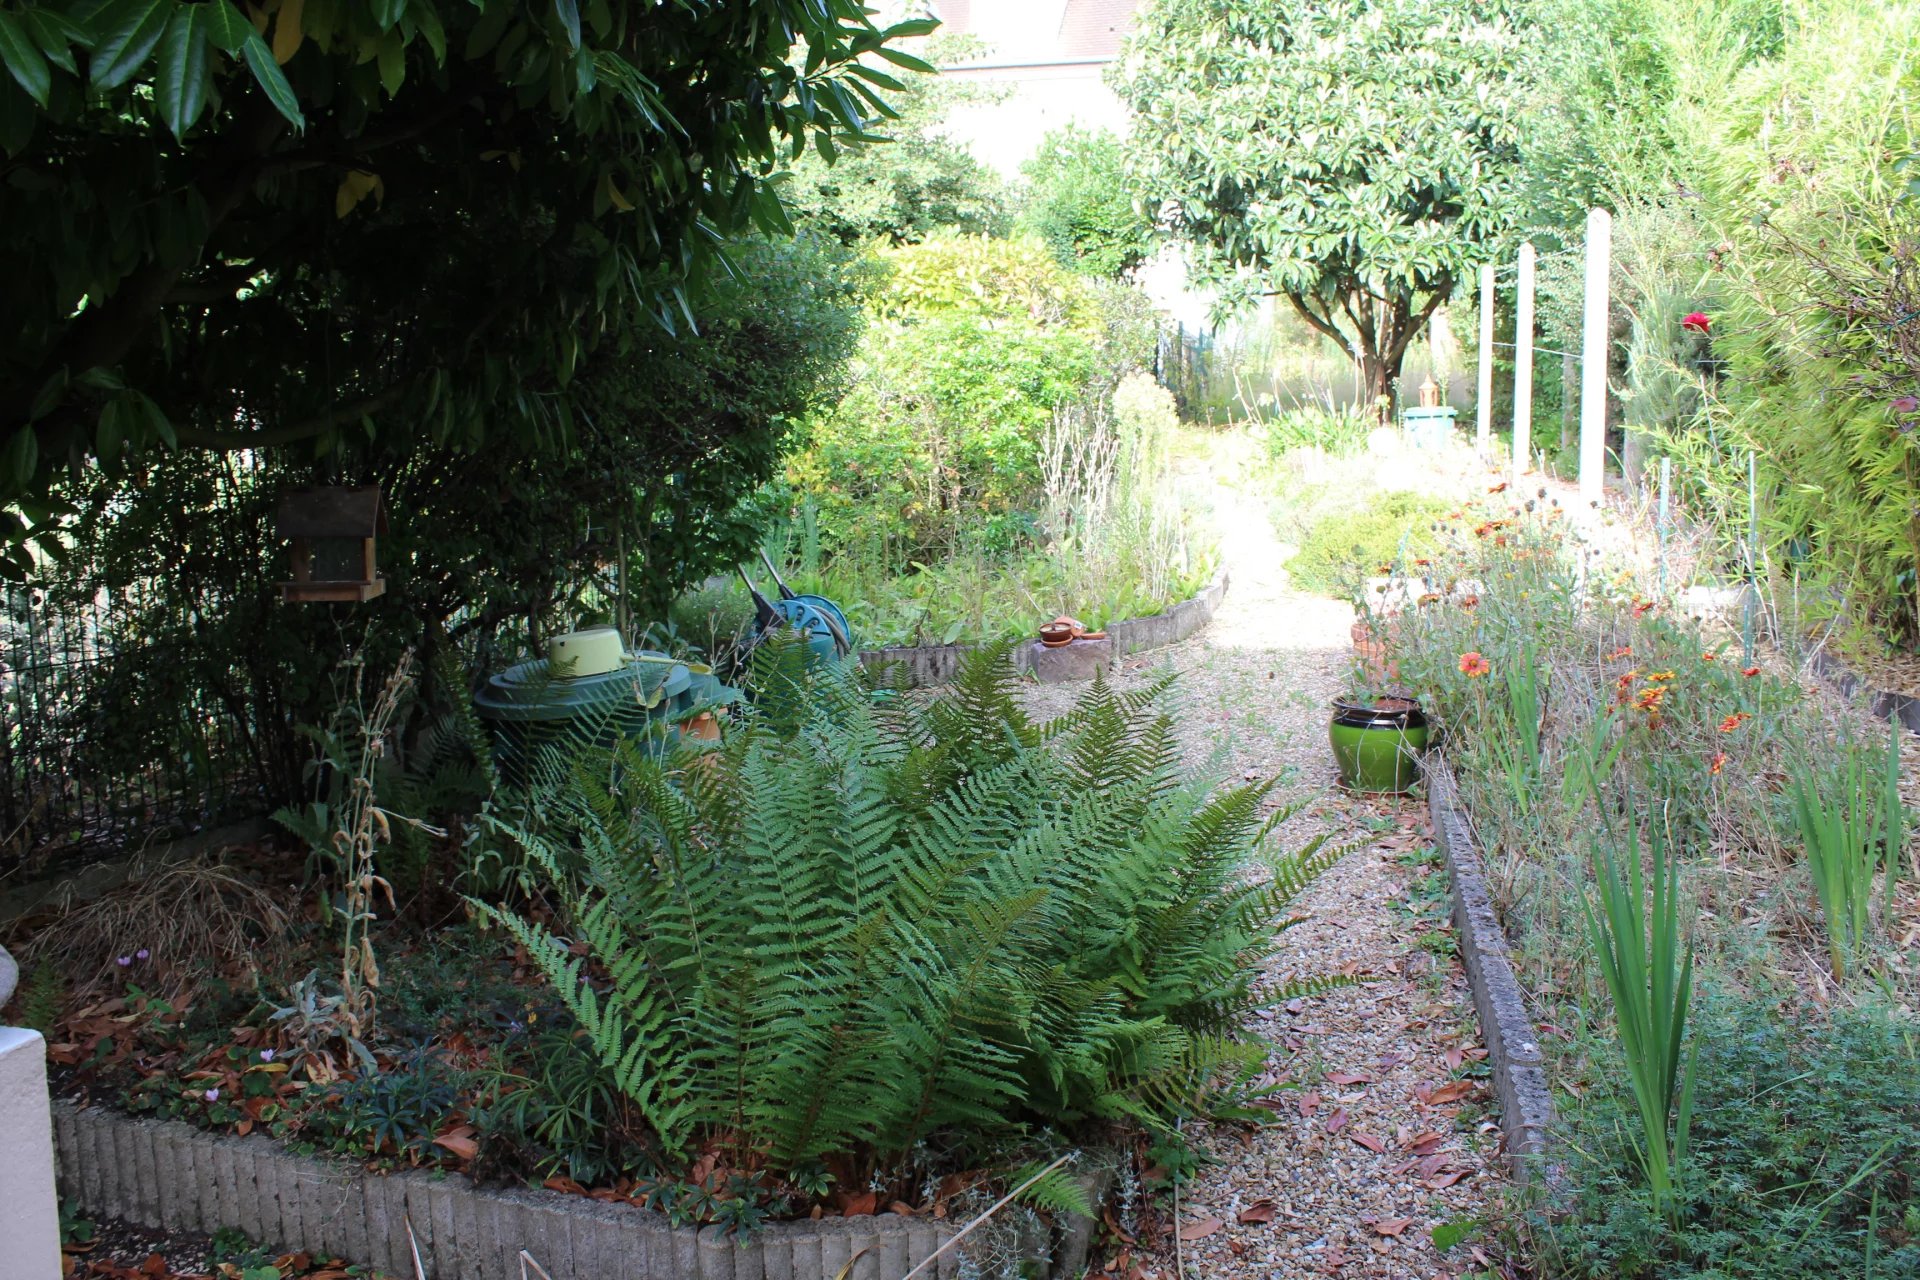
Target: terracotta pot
column 1055, row 635
column 1371, row 650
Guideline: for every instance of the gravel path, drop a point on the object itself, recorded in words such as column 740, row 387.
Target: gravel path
column 1384, row 1133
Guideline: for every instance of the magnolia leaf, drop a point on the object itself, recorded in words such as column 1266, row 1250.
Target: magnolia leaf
column 393, row 63
column 224, row 26
column 272, row 79
column 287, row 32
column 24, row 60
column 568, row 11
column 133, row 28
column 355, row 187
column 22, row 455
column 181, row 87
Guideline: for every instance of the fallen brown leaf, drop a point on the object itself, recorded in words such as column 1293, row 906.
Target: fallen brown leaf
column 1392, row 1226
column 1200, row 1230
column 1261, row 1210
column 1370, row 1142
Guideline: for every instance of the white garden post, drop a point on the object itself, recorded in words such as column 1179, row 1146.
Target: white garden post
column 29, row 1212
column 1593, row 358
column 1483, row 402
column 1523, row 366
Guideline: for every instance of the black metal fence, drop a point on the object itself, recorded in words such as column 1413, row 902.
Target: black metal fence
column 111, row 735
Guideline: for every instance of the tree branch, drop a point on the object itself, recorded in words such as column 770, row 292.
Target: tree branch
column 1402, row 338
column 1323, row 324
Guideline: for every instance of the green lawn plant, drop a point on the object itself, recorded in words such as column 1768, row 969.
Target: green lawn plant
column 866, row 923
column 1633, row 926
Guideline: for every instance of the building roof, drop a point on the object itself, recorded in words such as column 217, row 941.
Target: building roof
column 1095, row 28
column 1040, row 31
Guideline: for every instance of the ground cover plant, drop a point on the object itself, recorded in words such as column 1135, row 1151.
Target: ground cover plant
column 1660, row 811
column 869, row 948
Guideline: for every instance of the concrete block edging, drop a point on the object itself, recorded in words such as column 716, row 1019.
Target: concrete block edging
column 1517, row 1067
column 924, row 665
column 170, row 1174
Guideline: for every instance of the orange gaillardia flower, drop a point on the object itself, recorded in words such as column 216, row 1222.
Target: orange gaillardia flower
column 1719, row 762
column 1734, row 721
column 1473, row 665
column 1624, row 651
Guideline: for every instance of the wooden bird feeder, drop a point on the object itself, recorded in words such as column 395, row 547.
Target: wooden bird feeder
column 332, row 532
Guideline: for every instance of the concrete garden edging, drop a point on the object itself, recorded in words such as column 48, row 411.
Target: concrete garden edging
column 923, row 665
column 169, row 1174
column 1882, row 703
column 1513, row 1044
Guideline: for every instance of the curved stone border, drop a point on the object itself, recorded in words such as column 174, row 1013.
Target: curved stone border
column 169, row 1174
column 924, row 665
column 1848, row 683
column 1513, row 1045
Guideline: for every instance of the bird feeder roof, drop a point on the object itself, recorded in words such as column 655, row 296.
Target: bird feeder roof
column 333, row 512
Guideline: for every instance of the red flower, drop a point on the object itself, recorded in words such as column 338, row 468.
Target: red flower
column 1473, row 665
column 1624, row 651
column 1696, row 322
column 1640, row 607
column 1719, row 762
column 1749, row 672
column 1734, row 721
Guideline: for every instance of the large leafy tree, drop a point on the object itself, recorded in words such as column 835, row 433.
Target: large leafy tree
column 1358, row 157
column 239, row 226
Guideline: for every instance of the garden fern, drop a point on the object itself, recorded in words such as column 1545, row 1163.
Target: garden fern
column 864, row 923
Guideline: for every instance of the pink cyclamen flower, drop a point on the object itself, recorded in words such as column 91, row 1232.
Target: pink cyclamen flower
column 1906, row 404
column 213, row 1095
column 141, row 954
column 1696, row 322
column 124, row 961
column 266, row 1055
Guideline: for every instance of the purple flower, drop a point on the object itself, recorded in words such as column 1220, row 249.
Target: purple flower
column 141, row 954
column 213, row 1095
column 1906, row 404
column 124, row 961
column 266, row 1055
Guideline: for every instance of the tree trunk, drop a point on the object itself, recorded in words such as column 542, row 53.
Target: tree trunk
column 1376, row 387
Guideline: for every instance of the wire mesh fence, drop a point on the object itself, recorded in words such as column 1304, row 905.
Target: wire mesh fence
column 111, row 735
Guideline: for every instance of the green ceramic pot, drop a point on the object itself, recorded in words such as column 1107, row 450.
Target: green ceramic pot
column 1377, row 742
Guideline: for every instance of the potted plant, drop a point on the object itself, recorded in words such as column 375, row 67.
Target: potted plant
column 1377, row 738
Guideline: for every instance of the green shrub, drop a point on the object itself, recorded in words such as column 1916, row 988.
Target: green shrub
column 1080, row 203
column 1806, row 1146
column 1344, row 548
column 863, row 924
column 973, row 345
